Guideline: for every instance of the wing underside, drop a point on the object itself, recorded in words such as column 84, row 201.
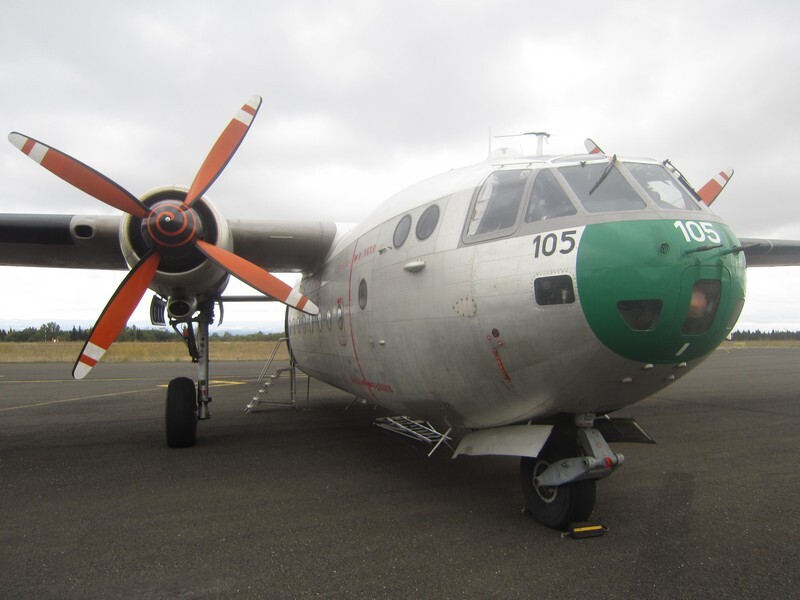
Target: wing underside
column 92, row 242
column 761, row 252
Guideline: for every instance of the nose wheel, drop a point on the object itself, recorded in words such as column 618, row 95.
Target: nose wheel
column 556, row 506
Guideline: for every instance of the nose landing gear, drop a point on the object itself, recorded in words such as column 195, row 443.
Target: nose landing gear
column 559, row 486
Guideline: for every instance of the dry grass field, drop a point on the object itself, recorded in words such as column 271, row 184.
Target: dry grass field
column 19, row 352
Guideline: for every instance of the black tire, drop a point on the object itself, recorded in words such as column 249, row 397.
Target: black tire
column 181, row 413
column 556, row 507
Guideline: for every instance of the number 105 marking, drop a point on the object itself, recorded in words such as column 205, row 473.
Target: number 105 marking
column 548, row 244
column 698, row 231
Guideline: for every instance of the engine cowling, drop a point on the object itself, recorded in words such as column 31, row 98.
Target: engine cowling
column 183, row 272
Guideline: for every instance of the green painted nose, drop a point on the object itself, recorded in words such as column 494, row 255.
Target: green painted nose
column 660, row 291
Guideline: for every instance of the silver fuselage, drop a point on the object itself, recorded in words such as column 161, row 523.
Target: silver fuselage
column 450, row 327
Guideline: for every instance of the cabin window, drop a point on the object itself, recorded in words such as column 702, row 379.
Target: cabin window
column 601, row 187
column 557, row 289
column 329, row 320
column 362, row 294
column 663, row 190
column 548, row 199
column 340, row 316
column 498, row 201
column 401, row 231
column 427, row 222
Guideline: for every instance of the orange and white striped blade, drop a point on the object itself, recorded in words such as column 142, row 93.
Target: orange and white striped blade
column 591, row 147
column 709, row 192
column 253, row 275
column 223, row 150
column 116, row 314
column 80, row 175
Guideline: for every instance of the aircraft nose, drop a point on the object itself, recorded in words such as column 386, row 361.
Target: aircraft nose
column 653, row 294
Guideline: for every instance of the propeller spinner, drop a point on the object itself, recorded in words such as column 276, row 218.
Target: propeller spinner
column 171, row 226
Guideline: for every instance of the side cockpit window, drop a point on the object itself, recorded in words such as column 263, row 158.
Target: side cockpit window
column 548, row 200
column 556, row 289
column 498, row 202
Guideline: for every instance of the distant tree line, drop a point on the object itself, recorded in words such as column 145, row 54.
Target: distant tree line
column 52, row 332
column 758, row 335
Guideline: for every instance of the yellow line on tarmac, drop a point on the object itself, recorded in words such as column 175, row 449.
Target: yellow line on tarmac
column 76, row 399
column 213, row 383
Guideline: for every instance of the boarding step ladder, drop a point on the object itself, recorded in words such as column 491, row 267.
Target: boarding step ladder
column 418, row 430
column 265, row 381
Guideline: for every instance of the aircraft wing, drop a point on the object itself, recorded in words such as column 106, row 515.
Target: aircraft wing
column 771, row 253
column 92, row 242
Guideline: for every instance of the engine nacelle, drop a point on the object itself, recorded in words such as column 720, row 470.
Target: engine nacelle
column 183, row 274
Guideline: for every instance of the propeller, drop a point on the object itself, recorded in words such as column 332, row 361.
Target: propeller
column 591, row 147
column 170, row 226
column 714, row 187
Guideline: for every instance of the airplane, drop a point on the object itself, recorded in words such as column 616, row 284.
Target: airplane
column 512, row 305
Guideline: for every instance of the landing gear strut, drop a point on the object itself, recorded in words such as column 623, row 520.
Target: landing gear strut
column 187, row 404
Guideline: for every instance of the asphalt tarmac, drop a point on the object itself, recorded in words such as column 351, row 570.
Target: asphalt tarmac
column 320, row 503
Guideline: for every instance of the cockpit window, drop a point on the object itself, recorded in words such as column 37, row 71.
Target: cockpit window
column 601, row 188
column 548, row 200
column 498, row 202
column 661, row 187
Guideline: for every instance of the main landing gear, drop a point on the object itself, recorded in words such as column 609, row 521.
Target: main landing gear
column 559, row 484
column 186, row 403
column 181, row 413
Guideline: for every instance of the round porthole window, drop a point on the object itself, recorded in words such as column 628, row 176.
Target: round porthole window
column 427, row 222
column 329, row 320
column 340, row 317
column 401, row 231
column 362, row 294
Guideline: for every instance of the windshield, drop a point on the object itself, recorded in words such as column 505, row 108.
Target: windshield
column 661, row 187
column 601, row 188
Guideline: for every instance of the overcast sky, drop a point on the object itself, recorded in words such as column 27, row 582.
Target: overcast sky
column 364, row 98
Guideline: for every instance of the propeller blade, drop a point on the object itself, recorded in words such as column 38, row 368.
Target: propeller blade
column 116, row 314
column 223, row 149
column 709, row 192
column 591, row 147
column 80, row 175
column 257, row 277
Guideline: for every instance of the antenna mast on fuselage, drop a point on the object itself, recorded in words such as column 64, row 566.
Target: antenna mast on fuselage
column 541, row 136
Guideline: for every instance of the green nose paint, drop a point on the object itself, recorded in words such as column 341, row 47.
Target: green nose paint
column 660, row 291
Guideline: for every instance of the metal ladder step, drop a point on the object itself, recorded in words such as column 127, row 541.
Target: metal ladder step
column 266, row 381
column 415, row 429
